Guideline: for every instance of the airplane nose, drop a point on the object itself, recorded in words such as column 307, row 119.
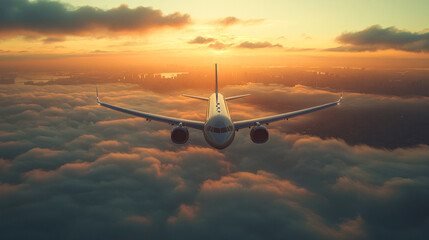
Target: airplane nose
column 220, row 140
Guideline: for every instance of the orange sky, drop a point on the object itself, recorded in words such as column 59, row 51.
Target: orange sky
column 201, row 33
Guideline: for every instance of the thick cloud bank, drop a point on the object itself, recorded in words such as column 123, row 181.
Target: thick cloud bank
column 56, row 18
column 378, row 38
column 72, row 170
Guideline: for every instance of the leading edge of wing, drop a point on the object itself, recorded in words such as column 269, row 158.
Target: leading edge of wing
column 278, row 117
column 170, row 120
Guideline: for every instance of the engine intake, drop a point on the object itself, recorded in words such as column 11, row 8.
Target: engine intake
column 259, row 134
column 179, row 135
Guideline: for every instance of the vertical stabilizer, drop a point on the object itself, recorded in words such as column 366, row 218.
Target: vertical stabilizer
column 216, row 81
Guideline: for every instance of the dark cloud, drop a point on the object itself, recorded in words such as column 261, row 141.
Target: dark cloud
column 86, row 171
column 201, row 40
column 255, row 45
column 56, row 18
column 378, row 38
column 229, row 21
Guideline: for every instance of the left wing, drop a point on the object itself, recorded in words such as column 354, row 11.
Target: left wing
column 270, row 119
column 149, row 116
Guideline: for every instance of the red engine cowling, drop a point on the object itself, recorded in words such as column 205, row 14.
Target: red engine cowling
column 179, row 135
column 259, row 134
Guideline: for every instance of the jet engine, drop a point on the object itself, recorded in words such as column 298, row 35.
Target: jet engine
column 259, row 134
column 179, row 135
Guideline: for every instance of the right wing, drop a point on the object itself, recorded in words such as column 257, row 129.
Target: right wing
column 265, row 120
column 170, row 120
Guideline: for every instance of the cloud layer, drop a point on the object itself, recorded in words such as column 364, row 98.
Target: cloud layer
column 55, row 18
column 378, row 38
column 70, row 169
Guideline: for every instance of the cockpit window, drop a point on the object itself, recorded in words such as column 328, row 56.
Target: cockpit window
column 219, row 130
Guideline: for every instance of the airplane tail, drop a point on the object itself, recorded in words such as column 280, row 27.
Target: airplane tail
column 216, row 82
column 96, row 90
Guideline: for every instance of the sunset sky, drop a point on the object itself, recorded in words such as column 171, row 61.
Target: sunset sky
column 203, row 32
column 70, row 169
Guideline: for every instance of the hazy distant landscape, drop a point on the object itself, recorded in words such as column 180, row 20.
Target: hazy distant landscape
column 396, row 82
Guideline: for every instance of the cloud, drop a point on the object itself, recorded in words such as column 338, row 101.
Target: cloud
column 53, row 40
column 378, row 38
column 255, row 45
column 201, row 40
column 351, row 49
column 219, row 45
column 229, row 21
column 306, row 36
column 405, row 114
column 87, row 171
column 56, row 18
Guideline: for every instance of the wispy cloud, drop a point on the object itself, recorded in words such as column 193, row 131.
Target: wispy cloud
column 53, row 40
column 255, row 45
column 229, row 21
column 219, row 45
column 201, row 40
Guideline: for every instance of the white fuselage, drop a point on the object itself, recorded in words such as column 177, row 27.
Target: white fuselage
column 218, row 130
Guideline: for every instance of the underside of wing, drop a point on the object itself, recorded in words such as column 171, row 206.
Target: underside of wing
column 283, row 116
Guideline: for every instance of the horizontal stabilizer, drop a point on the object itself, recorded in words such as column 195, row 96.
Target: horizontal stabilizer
column 199, row 98
column 235, row 97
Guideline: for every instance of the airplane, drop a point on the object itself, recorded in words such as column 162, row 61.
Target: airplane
column 218, row 128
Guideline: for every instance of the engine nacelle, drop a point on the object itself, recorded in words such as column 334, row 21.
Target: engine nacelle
column 259, row 134
column 179, row 135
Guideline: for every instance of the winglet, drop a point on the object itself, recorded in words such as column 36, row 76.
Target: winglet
column 98, row 100
column 341, row 99
column 216, row 81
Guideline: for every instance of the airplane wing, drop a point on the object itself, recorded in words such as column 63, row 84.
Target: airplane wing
column 270, row 119
column 149, row 116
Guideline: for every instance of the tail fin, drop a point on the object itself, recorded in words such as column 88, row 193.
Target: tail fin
column 216, row 81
